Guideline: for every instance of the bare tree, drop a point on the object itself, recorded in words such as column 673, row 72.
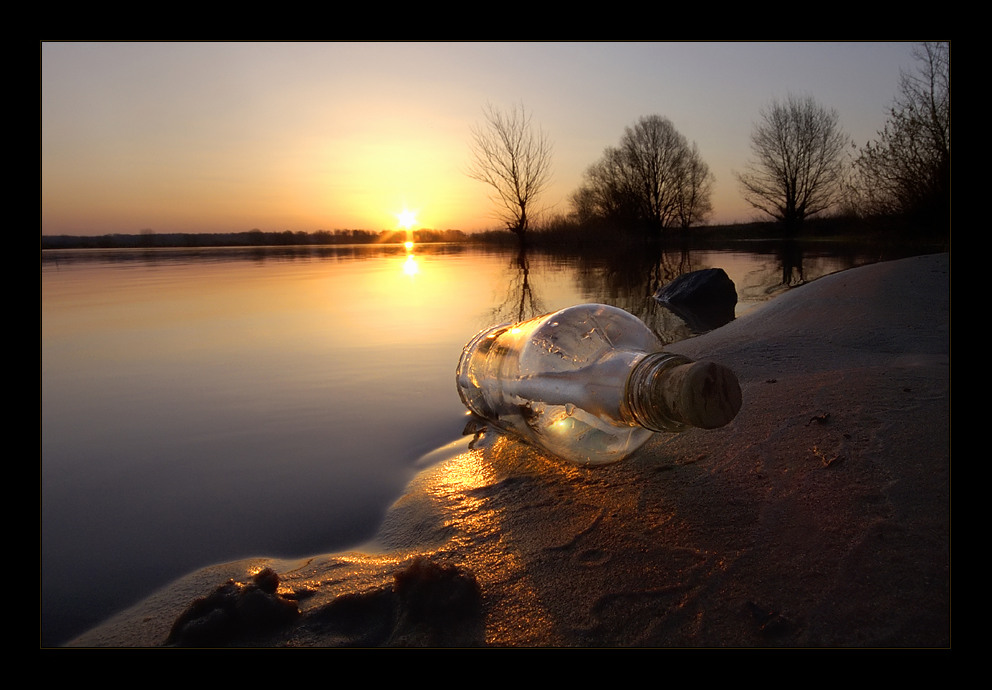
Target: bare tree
column 693, row 202
column 798, row 165
column 654, row 178
column 514, row 159
column 653, row 153
column 907, row 169
column 609, row 191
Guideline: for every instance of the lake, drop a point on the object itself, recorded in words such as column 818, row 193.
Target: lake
column 201, row 406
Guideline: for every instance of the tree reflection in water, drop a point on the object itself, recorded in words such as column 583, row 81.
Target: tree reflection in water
column 628, row 274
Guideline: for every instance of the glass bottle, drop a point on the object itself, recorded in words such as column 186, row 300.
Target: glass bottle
column 590, row 383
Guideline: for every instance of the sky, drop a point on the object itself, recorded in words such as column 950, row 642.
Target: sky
column 232, row 136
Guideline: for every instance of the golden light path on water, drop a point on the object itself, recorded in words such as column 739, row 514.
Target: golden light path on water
column 410, row 266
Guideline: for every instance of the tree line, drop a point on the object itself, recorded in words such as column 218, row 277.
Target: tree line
column 251, row 238
column 802, row 165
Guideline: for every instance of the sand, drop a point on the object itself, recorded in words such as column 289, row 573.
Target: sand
column 820, row 517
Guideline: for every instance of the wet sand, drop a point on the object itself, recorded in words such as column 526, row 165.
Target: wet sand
column 820, row 517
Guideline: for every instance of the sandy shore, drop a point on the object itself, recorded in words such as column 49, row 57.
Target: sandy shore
column 819, row 517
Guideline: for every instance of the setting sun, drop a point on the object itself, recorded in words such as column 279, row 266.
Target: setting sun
column 407, row 219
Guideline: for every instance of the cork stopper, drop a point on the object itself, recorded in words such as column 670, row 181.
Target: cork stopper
column 669, row 393
column 709, row 396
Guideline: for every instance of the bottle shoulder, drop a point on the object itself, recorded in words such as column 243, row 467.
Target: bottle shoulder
column 577, row 336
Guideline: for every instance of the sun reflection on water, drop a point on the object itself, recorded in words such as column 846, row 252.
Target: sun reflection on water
column 410, row 266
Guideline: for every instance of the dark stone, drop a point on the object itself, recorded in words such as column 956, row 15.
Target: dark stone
column 437, row 594
column 232, row 610
column 429, row 605
column 704, row 299
column 267, row 580
column 359, row 619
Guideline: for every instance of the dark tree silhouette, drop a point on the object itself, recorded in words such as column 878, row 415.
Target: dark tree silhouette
column 654, row 178
column 907, row 170
column 514, row 159
column 797, row 169
column 693, row 202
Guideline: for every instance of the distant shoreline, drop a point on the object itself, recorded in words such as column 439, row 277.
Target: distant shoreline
column 838, row 230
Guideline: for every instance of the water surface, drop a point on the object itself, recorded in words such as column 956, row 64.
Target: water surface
column 204, row 406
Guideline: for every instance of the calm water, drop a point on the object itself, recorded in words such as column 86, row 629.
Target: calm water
column 204, row 406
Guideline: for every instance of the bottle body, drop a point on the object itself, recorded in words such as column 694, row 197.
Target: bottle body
column 589, row 383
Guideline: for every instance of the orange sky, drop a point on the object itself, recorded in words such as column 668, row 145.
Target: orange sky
column 223, row 137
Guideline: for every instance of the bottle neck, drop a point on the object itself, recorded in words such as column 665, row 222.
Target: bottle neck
column 645, row 402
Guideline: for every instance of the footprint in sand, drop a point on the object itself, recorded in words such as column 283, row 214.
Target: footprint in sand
column 592, row 557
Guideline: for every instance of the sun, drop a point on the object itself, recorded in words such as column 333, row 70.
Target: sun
column 407, row 219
